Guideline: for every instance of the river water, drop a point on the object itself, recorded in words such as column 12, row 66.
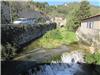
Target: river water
column 69, row 64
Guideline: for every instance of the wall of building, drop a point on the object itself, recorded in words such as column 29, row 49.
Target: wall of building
column 94, row 21
column 94, row 29
column 61, row 21
column 90, row 35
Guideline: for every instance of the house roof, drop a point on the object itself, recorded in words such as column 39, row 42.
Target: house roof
column 91, row 17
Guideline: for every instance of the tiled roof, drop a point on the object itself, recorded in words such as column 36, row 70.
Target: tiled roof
column 91, row 17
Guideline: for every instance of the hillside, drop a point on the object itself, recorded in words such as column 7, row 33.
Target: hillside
column 66, row 10
column 16, row 9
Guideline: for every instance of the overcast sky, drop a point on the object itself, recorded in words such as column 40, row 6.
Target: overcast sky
column 58, row 2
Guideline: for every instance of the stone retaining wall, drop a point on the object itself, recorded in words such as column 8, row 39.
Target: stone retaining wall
column 92, row 38
column 18, row 35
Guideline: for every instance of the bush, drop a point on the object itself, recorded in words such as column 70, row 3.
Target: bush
column 93, row 58
column 8, row 51
column 54, row 34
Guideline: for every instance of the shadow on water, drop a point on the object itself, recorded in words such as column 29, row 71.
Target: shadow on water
column 23, row 67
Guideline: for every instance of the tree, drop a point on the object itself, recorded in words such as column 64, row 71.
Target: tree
column 84, row 10
column 40, row 6
column 78, row 15
column 73, row 22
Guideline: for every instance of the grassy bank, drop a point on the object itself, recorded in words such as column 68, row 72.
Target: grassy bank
column 57, row 37
column 53, row 39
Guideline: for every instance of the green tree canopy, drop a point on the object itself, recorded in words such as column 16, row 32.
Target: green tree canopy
column 84, row 10
column 78, row 15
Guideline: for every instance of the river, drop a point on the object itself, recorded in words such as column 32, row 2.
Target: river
column 62, row 60
column 44, row 54
column 70, row 64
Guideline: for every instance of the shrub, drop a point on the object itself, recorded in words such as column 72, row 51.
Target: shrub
column 93, row 58
column 8, row 51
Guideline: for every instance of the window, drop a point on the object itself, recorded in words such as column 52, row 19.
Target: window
column 90, row 25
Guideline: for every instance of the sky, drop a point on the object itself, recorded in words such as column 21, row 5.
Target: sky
column 59, row 2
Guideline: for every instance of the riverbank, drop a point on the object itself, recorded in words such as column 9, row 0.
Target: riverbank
column 53, row 39
column 43, row 54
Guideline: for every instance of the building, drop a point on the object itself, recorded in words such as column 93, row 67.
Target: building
column 89, row 31
column 91, row 23
column 61, row 21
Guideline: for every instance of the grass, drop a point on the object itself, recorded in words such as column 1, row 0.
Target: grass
column 53, row 39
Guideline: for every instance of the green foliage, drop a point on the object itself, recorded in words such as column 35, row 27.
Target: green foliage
column 54, row 34
column 93, row 58
column 78, row 15
column 41, row 6
column 54, row 38
column 73, row 23
column 8, row 51
column 57, row 37
column 84, row 10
